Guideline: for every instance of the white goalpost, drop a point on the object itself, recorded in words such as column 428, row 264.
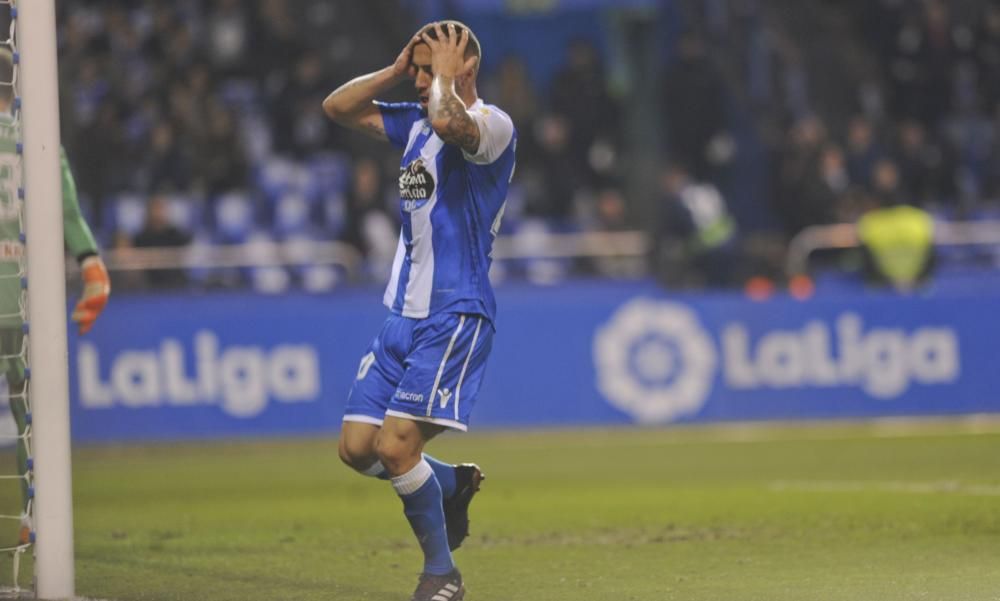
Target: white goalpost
column 35, row 28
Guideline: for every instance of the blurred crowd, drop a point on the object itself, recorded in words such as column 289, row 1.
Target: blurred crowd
column 854, row 106
column 209, row 111
column 922, row 128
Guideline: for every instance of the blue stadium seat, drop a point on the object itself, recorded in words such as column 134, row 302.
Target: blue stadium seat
column 234, row 218
column 311, row 276
column 240, row 93
column 265, row 278
column 126, row 213
column 531, row 235
column 201, row 244
column 270, row 280
column 334, row 214
column 330, row 174
column 186, row 212
column 292, row 214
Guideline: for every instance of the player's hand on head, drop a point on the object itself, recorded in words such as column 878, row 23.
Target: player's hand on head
column 96, row 289
column 448, row 51
column 403, row 66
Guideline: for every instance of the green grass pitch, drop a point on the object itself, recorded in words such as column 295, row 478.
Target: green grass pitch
column 774, row 513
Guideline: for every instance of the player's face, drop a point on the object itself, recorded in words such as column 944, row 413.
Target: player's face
column 422, row 64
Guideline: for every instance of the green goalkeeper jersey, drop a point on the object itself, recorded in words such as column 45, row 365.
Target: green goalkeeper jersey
column 77, row 235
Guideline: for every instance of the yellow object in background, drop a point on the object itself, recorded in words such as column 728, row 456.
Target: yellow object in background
column 899, row 240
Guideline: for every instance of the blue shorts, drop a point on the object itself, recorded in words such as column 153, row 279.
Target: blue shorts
column 428, row 370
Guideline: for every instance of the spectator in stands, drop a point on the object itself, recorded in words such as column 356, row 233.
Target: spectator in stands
column 987, row 53
column 821, row 192
column 511, row 89
column 695, row 233
column 229, row 38
column 298, row 126
column 369, row 227
column 562, row 173
column 222, row 165
column 923, row 63
column 194, row 95
column 694, row 97
column 160, row 232
column 992, row 185
column 167, row 165
column 611, row 215
column 926, row 165
column 863, row 150
column 579, row 94
column 898, row 246
column 887, row 186
column 799, row 202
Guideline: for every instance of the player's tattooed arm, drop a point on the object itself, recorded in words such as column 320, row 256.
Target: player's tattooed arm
column 450, row 118
column 447, row 113
column 352, row 104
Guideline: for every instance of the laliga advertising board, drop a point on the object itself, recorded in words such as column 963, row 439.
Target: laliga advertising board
column 578, row 354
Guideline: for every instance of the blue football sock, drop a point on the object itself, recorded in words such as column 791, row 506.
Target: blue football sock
column 421, row 495
column 445, row 473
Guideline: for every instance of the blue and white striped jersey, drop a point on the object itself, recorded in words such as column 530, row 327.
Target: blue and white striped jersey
column 451, row 204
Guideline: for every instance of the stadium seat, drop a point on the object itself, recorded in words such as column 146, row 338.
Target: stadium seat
column 185, row 212
column 329, row 174
column 334, row 214
column 261, row 250
column 234, row 218
column 532, row 236
column 292, row 212
column 270, row 280
column 127, row 214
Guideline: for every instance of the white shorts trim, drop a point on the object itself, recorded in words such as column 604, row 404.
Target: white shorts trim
column 364, row 419
column 448, row 423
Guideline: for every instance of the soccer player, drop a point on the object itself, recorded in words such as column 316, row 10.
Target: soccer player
column 421, row 374
column 79, row 241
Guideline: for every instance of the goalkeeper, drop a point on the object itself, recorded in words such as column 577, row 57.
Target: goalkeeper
column 79, row 241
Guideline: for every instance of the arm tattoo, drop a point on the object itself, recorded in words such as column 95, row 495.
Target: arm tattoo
column 374, row 129
column 458, row 127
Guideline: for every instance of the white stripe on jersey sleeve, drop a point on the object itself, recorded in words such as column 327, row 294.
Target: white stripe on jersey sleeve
column 495, row 132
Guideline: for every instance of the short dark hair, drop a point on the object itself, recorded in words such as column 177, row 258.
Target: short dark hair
column 6, row 74
column 473, row 49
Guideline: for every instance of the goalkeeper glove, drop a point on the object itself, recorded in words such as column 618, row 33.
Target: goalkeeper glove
column 96, row 288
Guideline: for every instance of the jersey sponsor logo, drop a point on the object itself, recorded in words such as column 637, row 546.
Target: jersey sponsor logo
column 416, row 185
column 657, row 362
column 241, row 380
column 409, row 397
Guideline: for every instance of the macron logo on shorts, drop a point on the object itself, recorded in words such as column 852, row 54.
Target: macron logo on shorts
column 411, row 397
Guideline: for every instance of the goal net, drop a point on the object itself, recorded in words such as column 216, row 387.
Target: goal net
column 33, row 310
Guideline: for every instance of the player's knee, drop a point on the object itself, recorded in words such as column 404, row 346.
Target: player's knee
column 398, row 453
column 356, row 454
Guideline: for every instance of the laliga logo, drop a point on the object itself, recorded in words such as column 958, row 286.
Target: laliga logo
column 240, row 379
column 654, row 361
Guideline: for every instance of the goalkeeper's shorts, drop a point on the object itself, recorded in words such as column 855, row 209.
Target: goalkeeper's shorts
column 427, row 370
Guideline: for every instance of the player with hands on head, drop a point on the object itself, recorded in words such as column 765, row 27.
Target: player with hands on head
column 422, row 373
